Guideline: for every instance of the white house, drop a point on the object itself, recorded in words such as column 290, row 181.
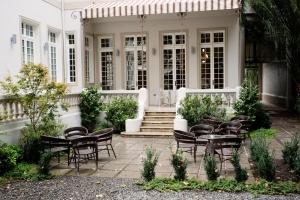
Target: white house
column 125, row 45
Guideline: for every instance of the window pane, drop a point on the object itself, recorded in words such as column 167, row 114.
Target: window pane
column 168, row 69
column 218, row 67
column 205, row 68
column 129, row 56
column 71, row 39
column 86, row 41
column 53, row 63
column 52, row 37
column 180, row 68
column 129, row 41
column 72, row 66
column 167, row 39
column 219, row 37
column 205, row 37
column 180, row 39
column 141, row 42
column 107, row 70
column 106, row 42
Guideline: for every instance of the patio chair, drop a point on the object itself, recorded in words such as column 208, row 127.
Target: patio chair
column 246, row 124
column 56, row 145
column 202, row 129
column 188, row 142
column 75, row 131
column 229, row 128
column 211, row 121
column 85, row 148
column 104, row 140
column 225, row 147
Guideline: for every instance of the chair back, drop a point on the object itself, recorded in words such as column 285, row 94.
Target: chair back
column 184, row 137
column 244, row 120
column 228, row 128
column 227, row 142
column 202, row 129
column 83, row 143
column 52, row 142
column 103, row 134
column 69, row 132
column 212, row 121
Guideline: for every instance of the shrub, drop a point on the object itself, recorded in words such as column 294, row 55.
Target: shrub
column 90, row 107
column 249, row 104
column 240, row 174
column 290, row 151
column 195, row 108
column 297, row 164
column 263, row 159
column 120, row 109
column 267, row 133
column 9, row 155
column 44, row 164
column 210, row 166
column 179, row 163
column 149, row 164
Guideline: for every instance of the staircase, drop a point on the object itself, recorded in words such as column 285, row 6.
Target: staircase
column 158, row 122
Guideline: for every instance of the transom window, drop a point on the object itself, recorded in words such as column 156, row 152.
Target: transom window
column 135, row 61
column 53, row 55
column 106, row 63
column 212, row 57
column 28, row 43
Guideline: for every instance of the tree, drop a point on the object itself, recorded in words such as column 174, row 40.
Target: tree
column 281, row 20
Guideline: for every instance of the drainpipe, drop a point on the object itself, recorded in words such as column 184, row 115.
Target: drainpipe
column 62, row 7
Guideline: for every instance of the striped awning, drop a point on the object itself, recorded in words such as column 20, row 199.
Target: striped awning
column 115, row 8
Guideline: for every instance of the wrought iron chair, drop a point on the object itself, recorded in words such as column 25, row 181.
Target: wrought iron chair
column 85, row 148
column 188, row 142
column 56, row 145
column 104, row 140
column 201, row 129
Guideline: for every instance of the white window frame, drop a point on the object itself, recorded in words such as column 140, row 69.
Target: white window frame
column 212, row 45
column 28, row 38
column 69, row 70
column 88, row 59
column 109, row 49
column 53, row 65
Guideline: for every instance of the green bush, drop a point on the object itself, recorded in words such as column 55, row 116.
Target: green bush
column 267, row 133
column 9, row 155
column 249, row 104
column 179, row 163
column 90, row 107
column 44, row 164
column 240, row 174
column 297, row 164
column 210, row 166
column 195, row 108
column 120, row 109
column 263, row 159
column 149, row 164
column 290, row 151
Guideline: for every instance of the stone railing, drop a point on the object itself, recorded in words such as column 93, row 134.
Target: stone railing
column 10, row 110
column 228, row 97
column 108, row 95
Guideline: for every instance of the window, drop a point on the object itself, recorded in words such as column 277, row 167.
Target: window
column 88, row 59
column 71, row 57
column 106, row 62
column 135, row 61
column 174, row 60
column 53, row 55
column 212, row 55
column 28, row 43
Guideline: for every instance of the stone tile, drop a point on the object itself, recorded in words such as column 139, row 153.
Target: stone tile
column 106, row 173
column 163, row 174
column 134, row 168
column 129, row 174
column 112, row 166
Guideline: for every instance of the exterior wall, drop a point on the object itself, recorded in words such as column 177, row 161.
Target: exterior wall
column 275, row 84
column 154, row 26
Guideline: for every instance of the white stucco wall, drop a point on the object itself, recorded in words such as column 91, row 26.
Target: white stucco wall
column 154, row 25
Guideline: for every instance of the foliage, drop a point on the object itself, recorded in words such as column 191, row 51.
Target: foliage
column 266, row 133
column 44, row 164
column 210, row 166
column 179, row 163
column 240, row 174
column 297, row 164
column 149, row 164
column 40, row 100
column 281, row 25
column 195, row 108
column 263, row 159
column 260, row 187
column 120, row 109
column 290, row 151
column 90, row 107
column 9, row 155
column 249, row 104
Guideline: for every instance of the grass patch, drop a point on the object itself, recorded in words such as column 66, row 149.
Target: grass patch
column 261, row 187
column 23, row 171
column 266, row 133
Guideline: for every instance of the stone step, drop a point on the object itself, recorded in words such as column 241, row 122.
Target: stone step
column 149, row 113
column 156, row 129
column 148, row 134
column 157, row 124
column 159, row 118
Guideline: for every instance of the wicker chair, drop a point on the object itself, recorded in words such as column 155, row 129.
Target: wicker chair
column 212, row 121
column 201, row 129
column 229, row 128
column 188, row 142
column 104, row 140
column 56, row 146
column 246, row 124
column 75, row 131
column 85, row 148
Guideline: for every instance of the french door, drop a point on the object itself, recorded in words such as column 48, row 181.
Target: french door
column 212, row 57
column 135, row 62
column 174, row 65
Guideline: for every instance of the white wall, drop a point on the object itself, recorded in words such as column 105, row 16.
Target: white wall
column 192, row 24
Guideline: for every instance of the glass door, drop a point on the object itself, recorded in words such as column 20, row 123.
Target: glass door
column 135, row 62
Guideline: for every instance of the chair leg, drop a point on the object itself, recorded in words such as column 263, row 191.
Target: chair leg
column 107, row 150
column 113, row 151
column 195, row 150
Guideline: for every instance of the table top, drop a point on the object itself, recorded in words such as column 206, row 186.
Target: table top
column 212, row 136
